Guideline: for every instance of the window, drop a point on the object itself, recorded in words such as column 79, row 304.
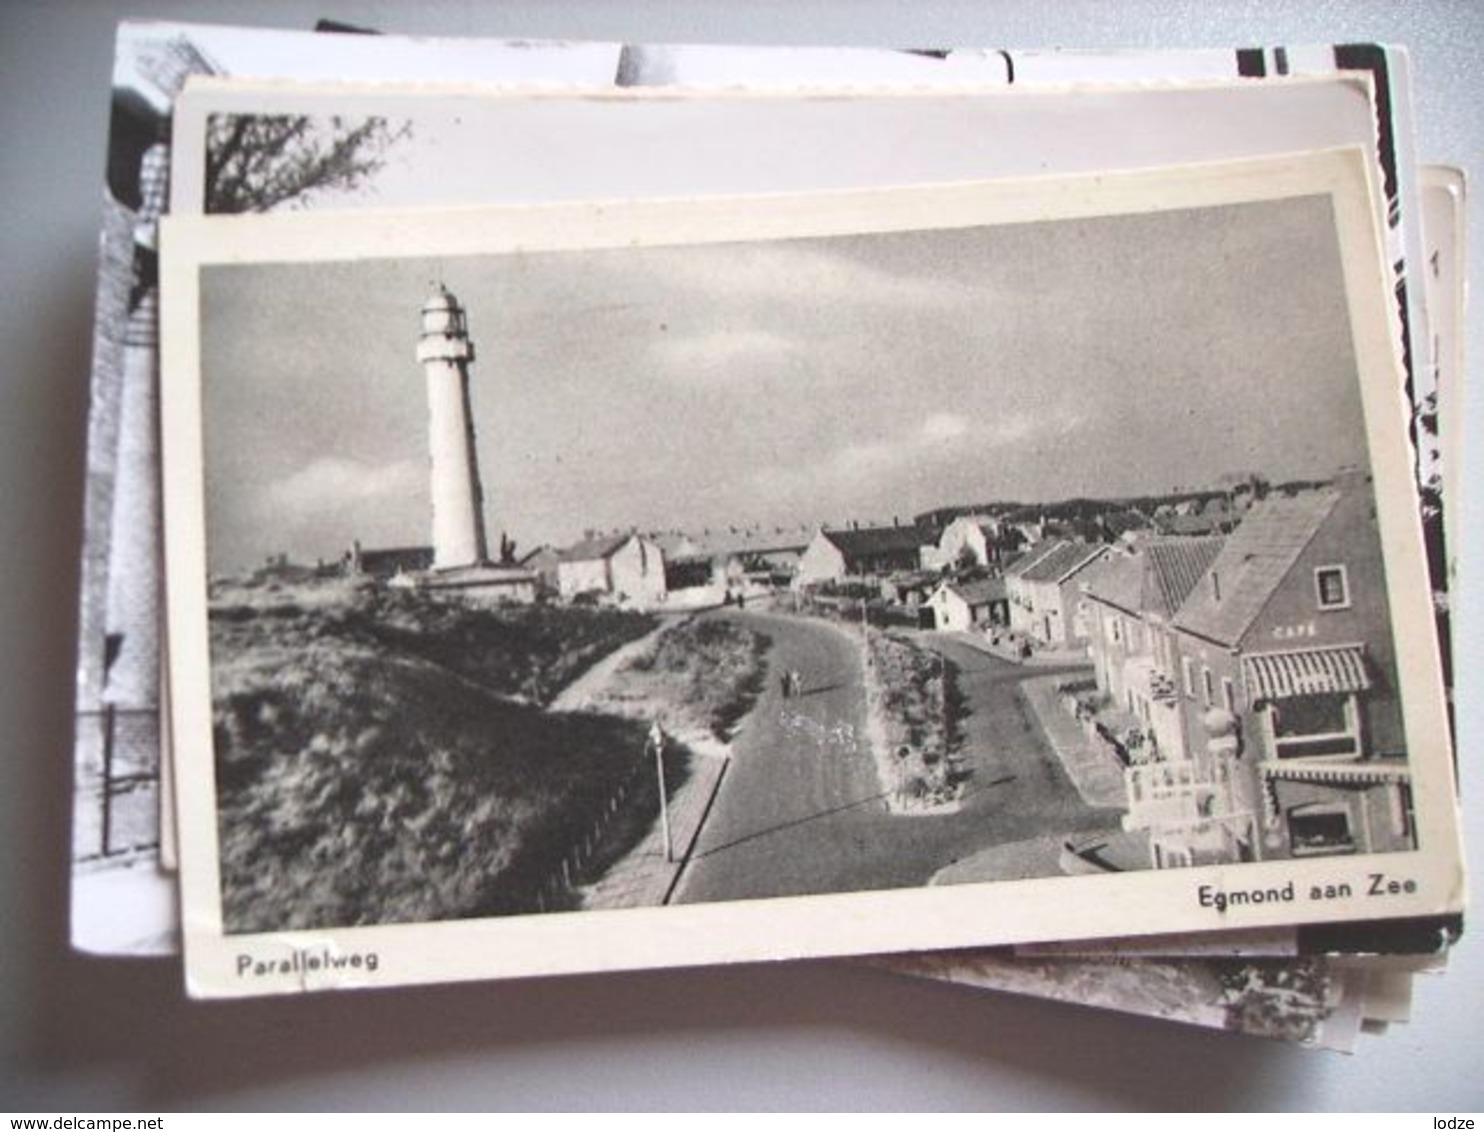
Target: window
column 1187, row 673
column 1320, row 827
column 1208, row 686
column 1324, row 726
column 1228, row 695
column 1332, row 587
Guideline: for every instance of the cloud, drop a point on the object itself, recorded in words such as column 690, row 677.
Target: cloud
column 943, row 426
column 1021, row 427
column 330, row 485
column 1015, row 427
column 858, row 461
column 723, row 355
column 793, row 272
column 937, row 437
column 950, row 450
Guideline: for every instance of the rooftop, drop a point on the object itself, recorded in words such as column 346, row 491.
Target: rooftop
column 599, row 546
column 755, row 540
column 1252, row 564
column 1059, row 563
column 1118, row 581
column 980, row 591
column 861, row 541
column 1173, row 570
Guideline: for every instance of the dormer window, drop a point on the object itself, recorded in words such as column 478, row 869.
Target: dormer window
column 1332, row 587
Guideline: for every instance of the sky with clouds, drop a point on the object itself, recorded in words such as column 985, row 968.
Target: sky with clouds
column 802, row 381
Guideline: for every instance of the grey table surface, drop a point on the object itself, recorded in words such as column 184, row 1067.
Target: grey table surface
column 80, row 1034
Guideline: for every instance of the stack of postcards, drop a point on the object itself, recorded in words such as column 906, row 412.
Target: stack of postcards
column 564, row 508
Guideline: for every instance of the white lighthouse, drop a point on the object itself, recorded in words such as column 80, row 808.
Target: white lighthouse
column 445, row 352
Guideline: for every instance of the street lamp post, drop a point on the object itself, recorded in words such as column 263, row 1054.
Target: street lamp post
column 657, row 741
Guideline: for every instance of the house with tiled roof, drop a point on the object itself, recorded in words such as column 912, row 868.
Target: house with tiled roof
column 865, row 553
column 1044, row 593
column 731, row 560
column 627, row 568
column 969, row 605
column 1129, row 601
column 1288, row 692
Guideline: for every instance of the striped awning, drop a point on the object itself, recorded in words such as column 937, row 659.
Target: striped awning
column 1341, row 773
column 1305, row 672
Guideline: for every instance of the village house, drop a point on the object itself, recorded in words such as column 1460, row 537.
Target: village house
column 733, row 560
column 687, row 566
column 1043, row 590
column 1288, row 690
column 862, row 553
column 972, row 540
column 628, row 568
column 969, row 605
column 1129, row 603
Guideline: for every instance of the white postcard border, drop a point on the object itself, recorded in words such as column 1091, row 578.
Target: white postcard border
column 838, row 924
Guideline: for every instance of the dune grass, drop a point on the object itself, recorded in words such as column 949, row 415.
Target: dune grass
column 919, row 710
column 708, row 672
column 380, row 758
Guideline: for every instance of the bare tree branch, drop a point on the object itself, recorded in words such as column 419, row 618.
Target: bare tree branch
column 255, row 163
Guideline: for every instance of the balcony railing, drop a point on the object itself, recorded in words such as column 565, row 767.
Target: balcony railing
column 1176, row 793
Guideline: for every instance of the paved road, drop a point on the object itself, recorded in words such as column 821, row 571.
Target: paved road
column 1018, row 786
column 801, row 811
column 796, row 809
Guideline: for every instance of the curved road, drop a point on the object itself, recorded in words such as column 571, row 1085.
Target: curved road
column 800, row 810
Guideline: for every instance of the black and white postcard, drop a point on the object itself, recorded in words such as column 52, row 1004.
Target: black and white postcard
column 852, row 135
column 600, row 586
column 120, row 901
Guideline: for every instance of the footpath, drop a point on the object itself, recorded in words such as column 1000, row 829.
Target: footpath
column 643, row 878
column 581, row 694
column 1095, row 773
